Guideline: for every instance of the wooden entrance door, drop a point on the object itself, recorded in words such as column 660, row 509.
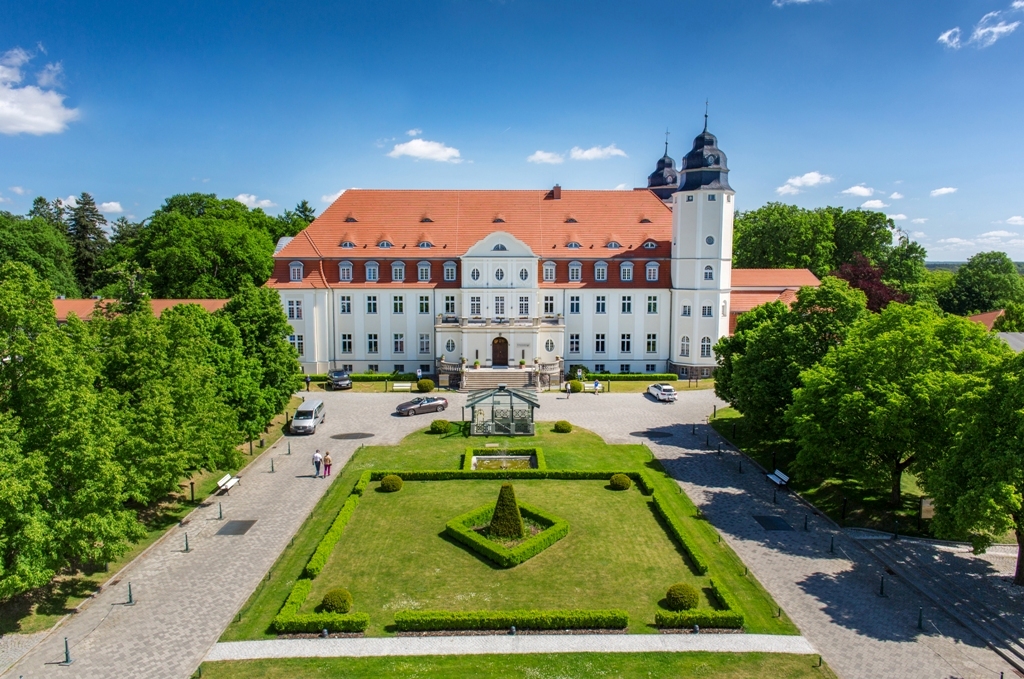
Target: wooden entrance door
column 499, row 352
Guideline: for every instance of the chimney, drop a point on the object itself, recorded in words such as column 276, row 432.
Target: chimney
column 556, row 193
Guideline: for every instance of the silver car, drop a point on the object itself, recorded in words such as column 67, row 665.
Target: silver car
column 307, row 417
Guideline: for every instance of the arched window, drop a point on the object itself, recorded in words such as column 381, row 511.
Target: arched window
column 626, row 271
column 295, row 272
column 549, row 271
column 345, row 272
column 425, row 244
column 601, row 271
column 613, row 245
column 385, row 244
column 372, row 271
column 573, row 245
column 705, row 347
column 498, row 247
column 398, row 271
column 449, row 271
column 652, row 271
column 423, row 271
column 347, row 244
column 709, row 273
column 650, row 245
column 684, row 347
column 575, row 271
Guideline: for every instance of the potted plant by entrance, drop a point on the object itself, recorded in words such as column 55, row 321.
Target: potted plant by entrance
column 522, row 363
column 476, row 364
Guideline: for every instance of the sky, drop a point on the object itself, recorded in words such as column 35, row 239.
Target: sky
column 912, row 108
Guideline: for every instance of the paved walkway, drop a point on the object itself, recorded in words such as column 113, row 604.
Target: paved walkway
column 530, row 643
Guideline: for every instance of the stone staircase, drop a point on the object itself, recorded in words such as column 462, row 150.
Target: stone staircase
column 489, row 378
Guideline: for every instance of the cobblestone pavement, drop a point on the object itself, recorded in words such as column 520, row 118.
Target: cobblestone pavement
column 534, row 643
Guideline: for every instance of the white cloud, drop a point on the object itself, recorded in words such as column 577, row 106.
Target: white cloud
column 859, row 190
column 111, row 208
column 421, row 149
column 944, row 191
column 896, row 195
column 71, row 201
column 20, row 190
column 919, row 220
column 794, row 184
column 414, row 132
column 596, row 152
column 545, row 157
column 918, row 234
column 622, row 187
column 4, row 200
column 251, row 201
column 30, row 109
column 956, row 241
column 1016, row 220
column 874, row 204
column 987, row 31
column 998, row 234
column 51, row 75
column 897, row 218
column 331, row 197
column 951, row 38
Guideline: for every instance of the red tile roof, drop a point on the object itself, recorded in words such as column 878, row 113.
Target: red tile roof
column 84, row 308
column 773, row 278
column 988, row 319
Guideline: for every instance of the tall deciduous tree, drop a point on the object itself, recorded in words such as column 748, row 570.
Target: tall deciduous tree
column 988, row 281
column 784, row 236
column 865, row 232
column 866, row 277
column 879, row 404
column 88, row 240
column 293, row 221
column 1012, row 319
column 43, row 247
column 730, row 347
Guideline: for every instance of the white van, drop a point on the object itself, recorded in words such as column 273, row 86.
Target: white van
column 307, row 416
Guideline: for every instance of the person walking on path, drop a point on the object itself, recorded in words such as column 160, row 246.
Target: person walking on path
column 568, row 390
column 308, row 380
column 317, row 459
column 327, row 463
column 597, row 385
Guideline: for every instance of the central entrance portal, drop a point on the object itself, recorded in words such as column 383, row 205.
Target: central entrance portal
column 499, row 352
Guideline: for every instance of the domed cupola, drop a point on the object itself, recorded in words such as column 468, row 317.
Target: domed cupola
column 664, row 181
column 704, row 167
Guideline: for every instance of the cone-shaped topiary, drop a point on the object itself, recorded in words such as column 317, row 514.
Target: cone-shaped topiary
column 682, row 597
column 507, row 522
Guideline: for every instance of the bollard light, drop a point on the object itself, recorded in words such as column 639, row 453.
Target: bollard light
column 324, row 633
column 220, row 511
column 920, row 617
column 805, row 523
column 131, row 599
column 289, row 447
column 832, row 545
column 271, row 465
column 67, row 653
column 186, row 542
column 192, row 490
column 512, row 631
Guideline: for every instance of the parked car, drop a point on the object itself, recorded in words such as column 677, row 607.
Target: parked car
column 307, row 416
column 339, row 379
column 662, row 392
column 423, row 404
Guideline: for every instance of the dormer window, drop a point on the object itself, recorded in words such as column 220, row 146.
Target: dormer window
column 347, row 244
column 570, row 220
column 345, row 272
column 549, row 271
column 575, row 271
column 650, row 245
column 613, row 245
column 573, row 245
column 499, row 247
column 423, row 271
column 351, row 219
column 497, row 220
column 426, row 220
column 645, row 221
column 626, row 271
column 652, row 271
column 425, row 244
column 295, row 272
column 449, row 271
column 372, row 271
column 601, row 271
column 385, row 244
column 398, row 271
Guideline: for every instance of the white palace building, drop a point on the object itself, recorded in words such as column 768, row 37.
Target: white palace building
column 618, row 281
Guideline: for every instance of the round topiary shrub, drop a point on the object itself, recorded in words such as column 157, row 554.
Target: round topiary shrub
column 391, row 483
column 562, row 427
column 440, row 427
column 337, row 600
column 620, row 482
column 575, row 386
column 424, row 386
column 682, row 597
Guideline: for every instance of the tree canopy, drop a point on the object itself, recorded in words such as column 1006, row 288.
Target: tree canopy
column 988, row 281
column 42, row 246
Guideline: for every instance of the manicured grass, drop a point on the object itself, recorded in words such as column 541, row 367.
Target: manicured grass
column 640, row 386
column 580, row 449
column 41, row 609
column 562, row 665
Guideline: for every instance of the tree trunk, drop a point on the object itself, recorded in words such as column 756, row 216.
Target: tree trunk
column 1018, row 576
column 896, row 498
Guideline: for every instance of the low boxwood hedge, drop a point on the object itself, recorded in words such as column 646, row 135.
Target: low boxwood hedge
column 315, row 622
column 634, row 377
column 704, row 617
column 460, row 529
column 362, row 483
column 323, row 550
column 676, row 530
column 422, row 621
column 362, row 377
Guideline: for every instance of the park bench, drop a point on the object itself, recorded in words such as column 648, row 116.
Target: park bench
column 589, row 386
column 401, row 386
column 227, row 483
column 778, row 478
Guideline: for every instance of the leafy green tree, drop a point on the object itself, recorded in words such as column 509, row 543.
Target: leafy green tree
column 904, row 264
column 879, row 403
column 785, row 236
column 861, row 231
column 1012, row 319
column 199, row 246
column 988, row 281
column 732, row 346
column 52, row 212
column 293, row 221
column 43, row 247
column 88, row 239
column 978, row 483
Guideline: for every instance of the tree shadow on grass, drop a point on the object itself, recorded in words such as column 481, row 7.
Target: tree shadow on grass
column 49, row 600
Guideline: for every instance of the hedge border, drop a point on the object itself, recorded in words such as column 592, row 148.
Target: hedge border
column 677, row 531
column 644, row 482
column 467, row 458
column 288, row 620
column 422, row 621
column 324, row 548
column 362, row 377
column 459, row 529
column 730, row 618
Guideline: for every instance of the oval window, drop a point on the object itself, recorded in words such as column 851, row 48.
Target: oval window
column 475, row 275
column 523, row 274
column 499, row 274
column 450, row 345
column 710, row 240
column 549, row 345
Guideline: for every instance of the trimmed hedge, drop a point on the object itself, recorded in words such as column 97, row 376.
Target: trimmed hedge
column 440, row 427
column 682, row 597
column 314, row 622
column 643, row 481
column 337, row 600
column 702, row 616
column 635, row 377
column 459, row 529
column 362, row 483
column 562, row 426
column 462, row 474
column 422, row 621
column 323, row 550
column 506, row 521
column 425, row 386
column 725, row 598
column 620, row 482
column 676, row 530
column 392, row 483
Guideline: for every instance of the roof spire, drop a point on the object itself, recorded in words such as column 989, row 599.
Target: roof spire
column 666, row 140
column 705, row 115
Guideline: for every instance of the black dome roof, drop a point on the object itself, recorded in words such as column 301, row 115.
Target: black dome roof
column 705, row 166
column 664, row 180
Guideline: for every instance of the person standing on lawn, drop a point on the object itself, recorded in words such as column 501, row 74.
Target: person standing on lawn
column 317, row 459
column 327, row 464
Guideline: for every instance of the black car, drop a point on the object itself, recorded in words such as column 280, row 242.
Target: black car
column 339, row 379
column 423, row 404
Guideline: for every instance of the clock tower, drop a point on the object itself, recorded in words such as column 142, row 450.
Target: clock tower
column 702, row 224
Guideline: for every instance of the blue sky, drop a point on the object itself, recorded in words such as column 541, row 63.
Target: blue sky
column 834, row 102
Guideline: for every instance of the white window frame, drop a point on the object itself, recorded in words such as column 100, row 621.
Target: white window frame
column 652, row 304
column 575, row 272
column 449, row 346
column 709, row 273
column 423, row 272
column 524, row 306
column 601, row 271
column 449, row 304
column 626, row 343
column 549, row 304
column 397, row 272
column 345, row 272
column 549, row 272
column 707, row 311
column 295, row 272
column 398, row 342
column 298, row 343
column 705, row 347
column 626, row 272
column 684, row 347
column 652, row 343
column 346, row 343
column 450, row 271
column 652, row 271
column 345, row 305
column 574, row 304
column 574, row 343
column 474, row 306
column 599, row 343
column 424, row 343
column 687, row 310
column 424, row 304
column 371, row 304
column 295, row 310
column 499, row 306
column 372, row 271
column 626, row 304
column 372, row 343
column 398, row 304
column 600, row 304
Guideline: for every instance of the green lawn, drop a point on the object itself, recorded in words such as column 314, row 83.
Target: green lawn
column 561, row 665
column 383, row 524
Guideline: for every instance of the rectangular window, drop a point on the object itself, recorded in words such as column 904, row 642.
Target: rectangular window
column 574, row 304
column 345, row 273
column 424, row 272
column 474, row 306
column 424, row 343
column 424, row 304
column 549, row 304
column 371, row 304
column 346, row 344
column 295, row 309
column 449, row 273
column 600, row 273
column 624, row 368
column 399, row 367
column 499, row 306
column 599, row 343
column 650, row 367
column 425, row 369
column 652, row 273
column 686, row 310
column 399, row 343
column 347, row 367
column 627, row 304
column 574, row 344
column 599, row 367
column 599, row 304
column 652, row 343
column 626, row 343
column 449, row 304
column 371, row 343
column 574, row 273
column 398, row 304
column 626, row 273
column 373, row 368
column 346, row 304
column 706, row 311
column 711, row 197
column 652, row 304
column 398, row 273
column 524, row 306
column 549, row 273
column 297, row 342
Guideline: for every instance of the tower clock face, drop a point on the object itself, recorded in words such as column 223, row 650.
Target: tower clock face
column 711, row 160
